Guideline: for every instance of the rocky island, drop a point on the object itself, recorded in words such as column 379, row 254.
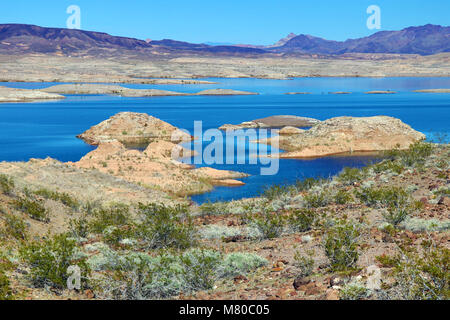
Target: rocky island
column 25, row 95
column 348, row 135
column 90, row 88
column 278, row 121
column 433, row 91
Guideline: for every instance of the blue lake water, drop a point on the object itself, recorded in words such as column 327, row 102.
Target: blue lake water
column 41, row 129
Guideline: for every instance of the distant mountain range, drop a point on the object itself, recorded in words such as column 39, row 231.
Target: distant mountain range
column 20, row 39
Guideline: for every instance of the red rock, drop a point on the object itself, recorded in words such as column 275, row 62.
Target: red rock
column 299, row 282
column 332, row 295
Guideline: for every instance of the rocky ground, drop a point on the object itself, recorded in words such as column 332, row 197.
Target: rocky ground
column 373, row 233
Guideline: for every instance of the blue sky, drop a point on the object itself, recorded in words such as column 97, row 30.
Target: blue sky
column 230, row 21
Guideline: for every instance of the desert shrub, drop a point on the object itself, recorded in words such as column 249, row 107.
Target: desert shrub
column 386, row 261
column 383, row 196
column 115, row 235
column 199, row 269
column 422, row 225
column 442, row 191
column 342, row 197
column 422, row 274
column 32, row 207
column 318, row 199
column 79, row 227
column 269, row 224
column 213, row 209
column 308, row 183
column 354, row 291
column 239, row 263
column 6, row 184
column 166, row 275
column 15, row 227
column 388, row 165
column 395, row 214
column 6, row 292
column 116, row 215
column 351, row 175
column 416, row 154
column 214, row 231
column 301, row 220
column 305, row 264
column 62, row 197
column 275, row 191
column 341, row 245
column 164, row 227
column 50, row 259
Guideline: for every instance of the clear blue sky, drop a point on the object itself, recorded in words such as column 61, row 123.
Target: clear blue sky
column 233, row 21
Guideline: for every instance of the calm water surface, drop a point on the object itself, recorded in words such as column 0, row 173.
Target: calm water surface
column 38, row 130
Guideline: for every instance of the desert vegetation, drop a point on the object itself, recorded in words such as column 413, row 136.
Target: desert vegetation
column 316, row 239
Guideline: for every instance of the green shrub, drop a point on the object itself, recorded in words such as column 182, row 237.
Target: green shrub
column 6, row 292
column 383, row 196
column 343, row 197
column 116, row 215
column 317, row 199
column 308, row 183
column 423, row 274
column 6, row 184
column 199, row 269
column 164, row 227
column 389, row 165
column 354, row 291
column 213, row 209
column 301, row 220
column 305, row 264
column 50, row 259
column 34, row 208
column 64, row 198
column 397, row 214
column 138, row 277
column 275, row 191
column 350, row 176
column 269, row 224
column 15, row 227
column 341, row 245
column 79, row 227
column 416, row 154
